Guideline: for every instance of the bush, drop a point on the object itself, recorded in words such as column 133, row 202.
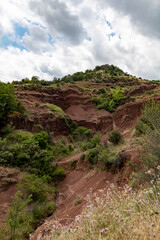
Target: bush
column 115, row 136
column 24, row 151
column 8, row 102
column 110, row 101
column 41, row 211
column 81, row 133
column 59, row 174
column 6, row 130
column 56, row 110
column 42, row 139
column 35, row 186
column 37, row 128
column 82, row 157
column 101, row 91
column 92, row 156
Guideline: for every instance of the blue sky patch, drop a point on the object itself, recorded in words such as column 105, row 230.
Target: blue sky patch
column 109, row 24
column 7, row 41
column 20, row 31
column 111, row 35
column 89, row 39
column 14, row 40
column 51, row 40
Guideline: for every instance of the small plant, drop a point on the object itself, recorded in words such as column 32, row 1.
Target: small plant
column 101, row 91
column 82, row 157
column 77, row 202
column 8, row 129
column 59, row 175
column 115, row 136
column 92, row 156
column 37, row 104
column 56, row 110
column 37, row 128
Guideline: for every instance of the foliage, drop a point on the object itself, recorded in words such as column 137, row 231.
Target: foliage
column 81, row 133
column 149, row 119
column 17, row 206
column 42, row 139
column 35, row 186
column 56, row 110
column 110, row 101
column 6, row 130
column 92, row 156
column 92, row 143
column 37, row 128
column 101, row 91
column 115, row 136
column 61, row 149
column 34, row 202
column 59, row 174
column 33, row 153
column 77, row 202
column 150, row 140
column 8, row 102
column 82, row 157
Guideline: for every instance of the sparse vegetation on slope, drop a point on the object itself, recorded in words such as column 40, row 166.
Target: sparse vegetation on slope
column 112, row 214
column 109, row 101
column 56, row 110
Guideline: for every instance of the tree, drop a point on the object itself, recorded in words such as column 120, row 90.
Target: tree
column 16, row 209
column 8, row 101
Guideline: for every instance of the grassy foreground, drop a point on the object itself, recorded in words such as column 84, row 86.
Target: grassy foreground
column 113, row 214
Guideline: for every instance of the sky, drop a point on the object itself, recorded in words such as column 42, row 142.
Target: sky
column 53, row 38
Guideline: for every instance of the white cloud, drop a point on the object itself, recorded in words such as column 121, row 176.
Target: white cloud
column 80, row 37
column 36, row 40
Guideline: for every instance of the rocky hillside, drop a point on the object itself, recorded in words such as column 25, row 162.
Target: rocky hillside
column 70, row 124
column 107, row 99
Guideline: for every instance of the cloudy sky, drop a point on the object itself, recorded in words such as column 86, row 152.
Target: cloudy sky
column 49, row 38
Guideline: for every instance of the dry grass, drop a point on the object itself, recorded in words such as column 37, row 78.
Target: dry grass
column 113, row 215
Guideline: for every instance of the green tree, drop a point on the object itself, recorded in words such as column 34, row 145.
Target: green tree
column 15, row 213
column 8, row 101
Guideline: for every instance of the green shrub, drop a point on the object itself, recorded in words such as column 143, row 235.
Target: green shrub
column 6, row 130
column 115, row 136
column 56, row 110
column 82, row 157
column 8, row 102
column 81, row 133
column 59, row 174
column 101, row 91
column 77, row 202
column 73, row 126
column 37, row 128
column 92, row 156
column 42, row 139
column 24, row 151
column 37, row 104
column 37, row 187
column 41, row 211
column 111, row 100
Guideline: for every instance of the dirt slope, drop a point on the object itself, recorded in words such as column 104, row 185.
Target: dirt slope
column 77, row 106
column 9, row 178
column 77, row 184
